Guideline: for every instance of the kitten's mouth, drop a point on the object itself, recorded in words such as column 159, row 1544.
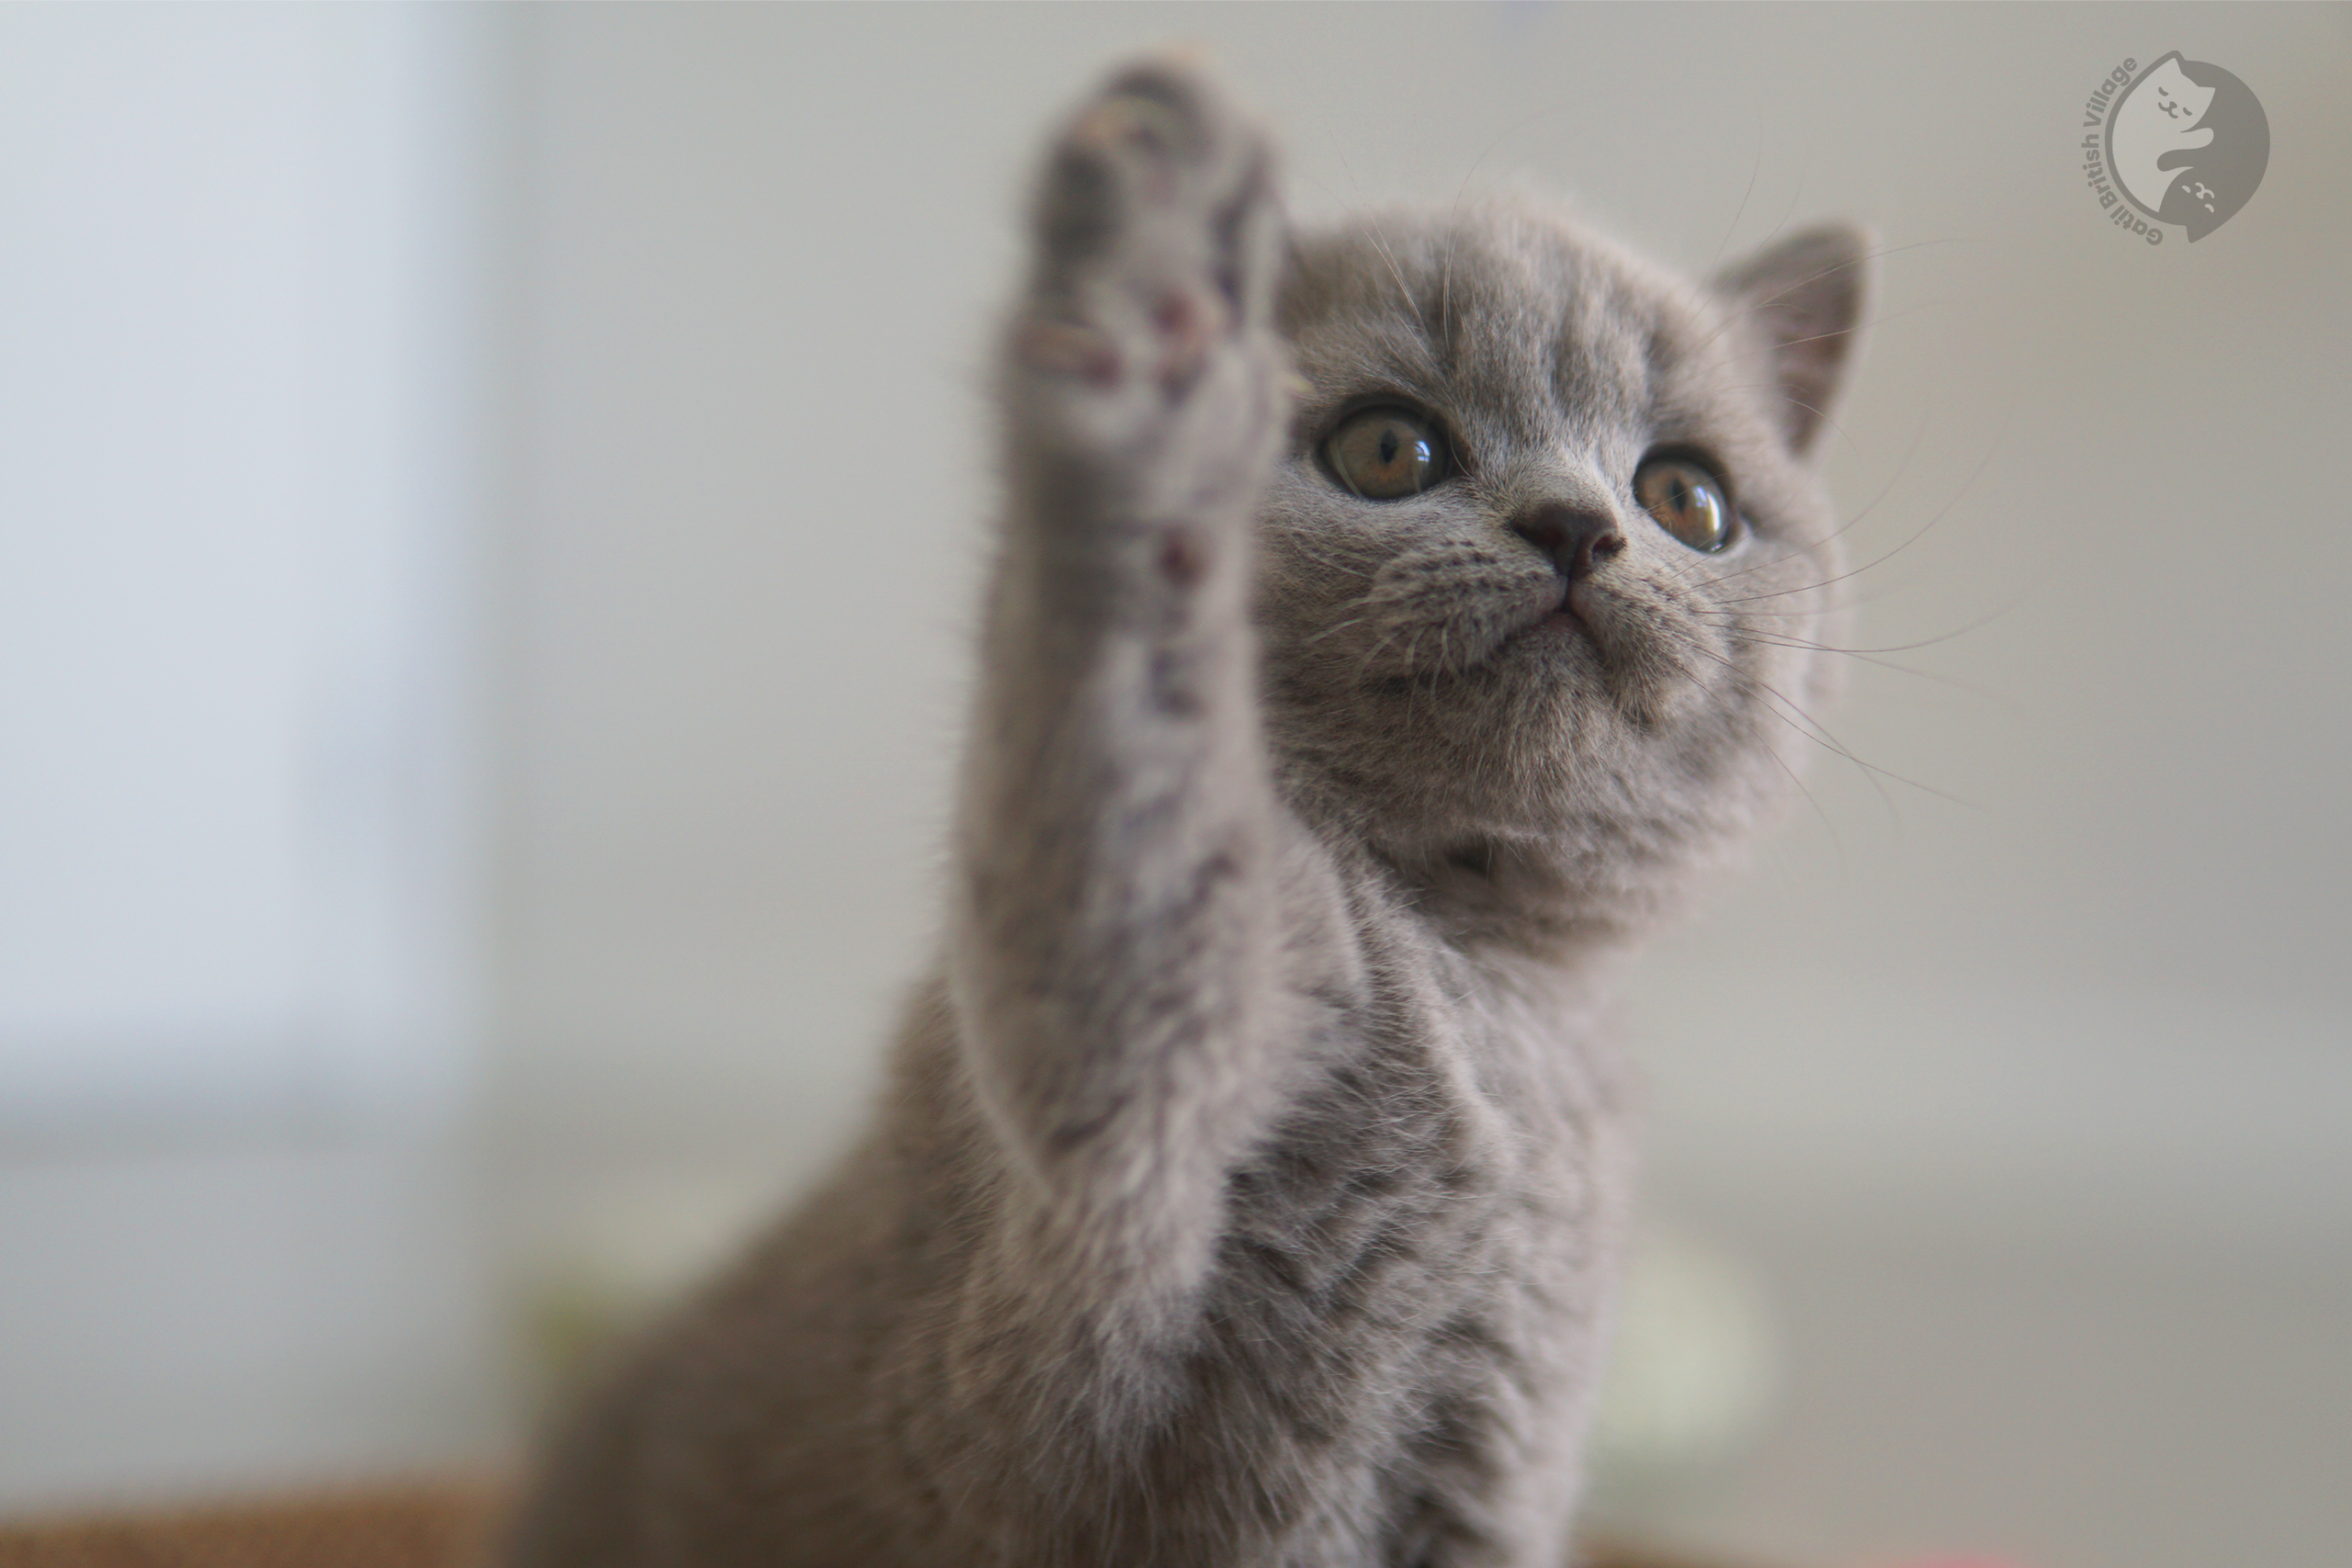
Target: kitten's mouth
column 1560, row 618
column 1554, row 635
column 1550, row 627
column 1585, row 625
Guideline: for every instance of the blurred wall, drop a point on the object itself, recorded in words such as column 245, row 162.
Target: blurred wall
column 246, row 408
column 242, row 404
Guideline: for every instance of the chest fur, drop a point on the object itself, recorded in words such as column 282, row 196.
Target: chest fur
column 1401, row 1335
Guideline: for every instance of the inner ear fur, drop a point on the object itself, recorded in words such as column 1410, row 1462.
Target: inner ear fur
column 1805, row 295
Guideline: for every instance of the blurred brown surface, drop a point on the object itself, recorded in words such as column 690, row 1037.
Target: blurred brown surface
column 415, row 1526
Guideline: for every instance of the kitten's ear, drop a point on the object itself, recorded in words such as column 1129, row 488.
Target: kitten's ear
column 1806, row 295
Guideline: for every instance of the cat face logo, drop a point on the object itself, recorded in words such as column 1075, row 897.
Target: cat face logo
column 2188, row 142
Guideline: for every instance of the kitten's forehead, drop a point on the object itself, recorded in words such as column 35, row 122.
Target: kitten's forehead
column 1496, row 314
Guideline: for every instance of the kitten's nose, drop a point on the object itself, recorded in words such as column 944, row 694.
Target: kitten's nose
column 1577, row 538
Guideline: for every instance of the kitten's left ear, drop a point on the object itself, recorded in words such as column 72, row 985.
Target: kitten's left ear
column 1806, row 295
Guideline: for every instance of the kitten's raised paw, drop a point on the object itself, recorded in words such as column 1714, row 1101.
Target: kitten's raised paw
column 1156, row 240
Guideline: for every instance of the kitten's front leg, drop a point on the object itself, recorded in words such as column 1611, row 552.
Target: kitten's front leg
column 1115, row 951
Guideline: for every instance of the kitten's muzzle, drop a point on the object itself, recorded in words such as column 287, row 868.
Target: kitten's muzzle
column 1574, row 539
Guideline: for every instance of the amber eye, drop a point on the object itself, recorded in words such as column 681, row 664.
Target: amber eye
column 1687, row 500
column 1386, row 453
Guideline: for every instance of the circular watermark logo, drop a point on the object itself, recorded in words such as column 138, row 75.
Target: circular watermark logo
column 2180, row 142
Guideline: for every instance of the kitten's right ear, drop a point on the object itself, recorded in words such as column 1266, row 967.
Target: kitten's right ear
column 1806, row 295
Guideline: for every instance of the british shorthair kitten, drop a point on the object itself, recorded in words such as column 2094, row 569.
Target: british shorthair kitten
column 1386, row 626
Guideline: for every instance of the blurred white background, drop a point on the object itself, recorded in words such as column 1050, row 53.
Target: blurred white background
column 490, row 502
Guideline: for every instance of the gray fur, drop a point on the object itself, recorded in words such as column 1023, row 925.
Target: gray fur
column 1251, row 1175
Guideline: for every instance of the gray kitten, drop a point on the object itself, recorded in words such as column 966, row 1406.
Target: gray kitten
column 1388, row 622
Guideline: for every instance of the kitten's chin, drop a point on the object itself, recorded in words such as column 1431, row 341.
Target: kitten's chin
column 1661, row 663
